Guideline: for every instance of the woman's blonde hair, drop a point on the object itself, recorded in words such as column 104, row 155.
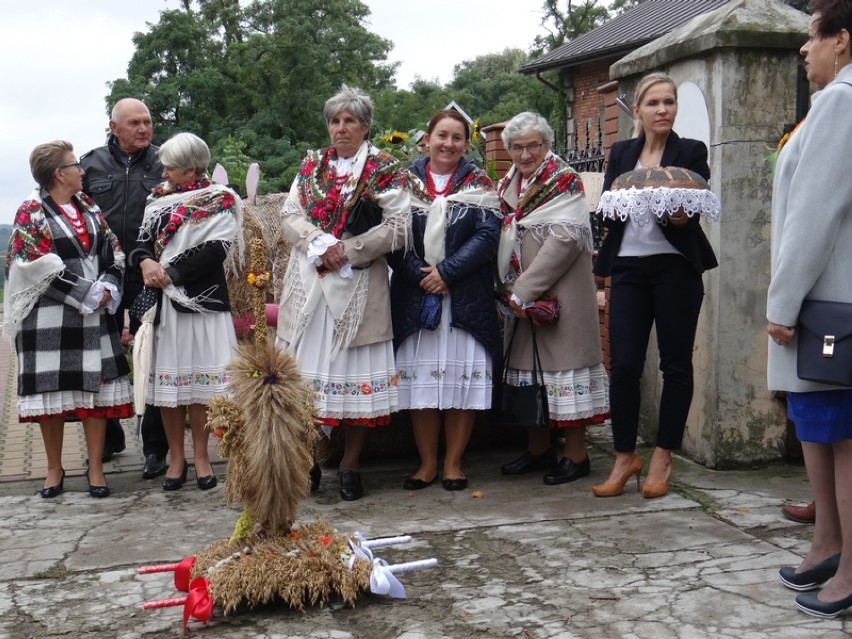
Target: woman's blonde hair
column 642, row 88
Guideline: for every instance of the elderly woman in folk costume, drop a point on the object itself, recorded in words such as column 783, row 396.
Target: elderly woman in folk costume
column 64, row 269
column 546, row 252
column 184, row 249
column 348, row 207
column 444, row 316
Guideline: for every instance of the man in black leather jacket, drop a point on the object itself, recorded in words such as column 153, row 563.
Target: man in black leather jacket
column 119, row 177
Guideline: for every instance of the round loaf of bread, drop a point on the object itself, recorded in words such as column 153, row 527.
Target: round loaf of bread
column 672, row 177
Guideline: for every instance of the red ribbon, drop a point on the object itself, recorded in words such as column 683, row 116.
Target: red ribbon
column 199, row 604
column 183, row 572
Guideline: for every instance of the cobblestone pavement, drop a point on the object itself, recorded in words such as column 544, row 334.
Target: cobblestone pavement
column 22, row 452
column 520, row 560
column 516, row 558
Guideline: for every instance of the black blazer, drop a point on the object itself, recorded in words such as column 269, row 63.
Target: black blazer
column 689, row 239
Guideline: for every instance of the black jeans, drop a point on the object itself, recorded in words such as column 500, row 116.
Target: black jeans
column 153, row 435
column 666, row 291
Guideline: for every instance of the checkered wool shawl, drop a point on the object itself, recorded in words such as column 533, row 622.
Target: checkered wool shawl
column 60, row 349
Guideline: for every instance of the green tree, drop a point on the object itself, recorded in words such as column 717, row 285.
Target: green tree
column 259, row 74
column 404, row 110
column 175, row 71
column 564, row 26
column 617, row 7
column 491, row 88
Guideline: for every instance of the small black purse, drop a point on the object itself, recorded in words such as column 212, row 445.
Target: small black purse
column 145, row 300
column 363, row 216
column 825, row 342
column 521, row 405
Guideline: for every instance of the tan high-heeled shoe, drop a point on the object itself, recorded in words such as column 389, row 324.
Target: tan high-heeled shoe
column 616, row 487
column 656, row 489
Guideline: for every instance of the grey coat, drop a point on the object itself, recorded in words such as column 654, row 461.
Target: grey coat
column 811, row 223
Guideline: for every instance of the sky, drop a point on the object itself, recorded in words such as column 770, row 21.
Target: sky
column 58, row 57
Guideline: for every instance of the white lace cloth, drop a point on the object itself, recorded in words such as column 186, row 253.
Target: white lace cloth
column 643, row 205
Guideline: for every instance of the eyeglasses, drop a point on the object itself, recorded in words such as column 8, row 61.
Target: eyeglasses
column 76, row 164
column 532, row 149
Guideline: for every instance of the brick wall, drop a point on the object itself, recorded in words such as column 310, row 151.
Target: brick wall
column 588, row 102
column 494, row 151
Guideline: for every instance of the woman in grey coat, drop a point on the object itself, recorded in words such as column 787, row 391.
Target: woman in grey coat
column 812, row 260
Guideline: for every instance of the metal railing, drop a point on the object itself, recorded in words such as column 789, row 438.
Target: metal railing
column 589, row 157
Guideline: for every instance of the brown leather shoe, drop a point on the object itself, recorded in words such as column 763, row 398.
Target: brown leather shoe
column 802, row 514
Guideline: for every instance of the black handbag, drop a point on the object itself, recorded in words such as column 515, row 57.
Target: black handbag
column 825, row 342
column 521, row 405
column 363, row 216
column 145, row 300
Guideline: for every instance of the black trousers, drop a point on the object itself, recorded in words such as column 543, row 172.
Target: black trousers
column 663, row 290
column 153, row 435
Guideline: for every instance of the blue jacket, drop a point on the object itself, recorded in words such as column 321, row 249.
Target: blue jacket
column 467, row 268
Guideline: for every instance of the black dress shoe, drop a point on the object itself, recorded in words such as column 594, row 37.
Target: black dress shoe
column 350, row 485
column 459, row 483
column 316, row 475
column 176, row 483
column 417, row 484
column 107, row 454
column 155, row 465
column 528, row 462
column 52, row 491
column 809, row 579
column 99, row 492
column 809, row 603
column 207, row 482
column 567, row 470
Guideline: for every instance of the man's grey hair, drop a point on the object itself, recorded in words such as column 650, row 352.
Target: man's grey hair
column 118, row 108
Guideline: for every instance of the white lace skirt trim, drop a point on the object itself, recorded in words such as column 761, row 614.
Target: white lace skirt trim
column 112, row 393
column 191, row 351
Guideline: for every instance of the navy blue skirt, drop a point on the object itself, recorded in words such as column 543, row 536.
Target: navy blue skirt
column 821, row 417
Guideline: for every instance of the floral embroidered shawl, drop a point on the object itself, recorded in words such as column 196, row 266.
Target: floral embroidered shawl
column 375, row 175
column 31, row 262
column 554, row 197
column 179, row 219
column 474, row 190
column 326, row 202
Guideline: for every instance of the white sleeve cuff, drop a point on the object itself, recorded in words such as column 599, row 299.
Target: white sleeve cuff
column 517, row 300
column 96, row 292
column 115, row 297
column 318, row 246
column 93, row 298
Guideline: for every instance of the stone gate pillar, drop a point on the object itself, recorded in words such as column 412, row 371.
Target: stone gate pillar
column 743, row 59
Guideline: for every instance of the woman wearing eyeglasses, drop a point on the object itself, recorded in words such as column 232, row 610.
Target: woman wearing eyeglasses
column 656, row 272
column 545, row 253
column 64, row 271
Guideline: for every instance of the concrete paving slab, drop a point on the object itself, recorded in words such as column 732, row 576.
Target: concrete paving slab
column 516, row 558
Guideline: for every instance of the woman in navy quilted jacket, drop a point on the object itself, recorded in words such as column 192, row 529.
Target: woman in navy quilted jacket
column 444, row 316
